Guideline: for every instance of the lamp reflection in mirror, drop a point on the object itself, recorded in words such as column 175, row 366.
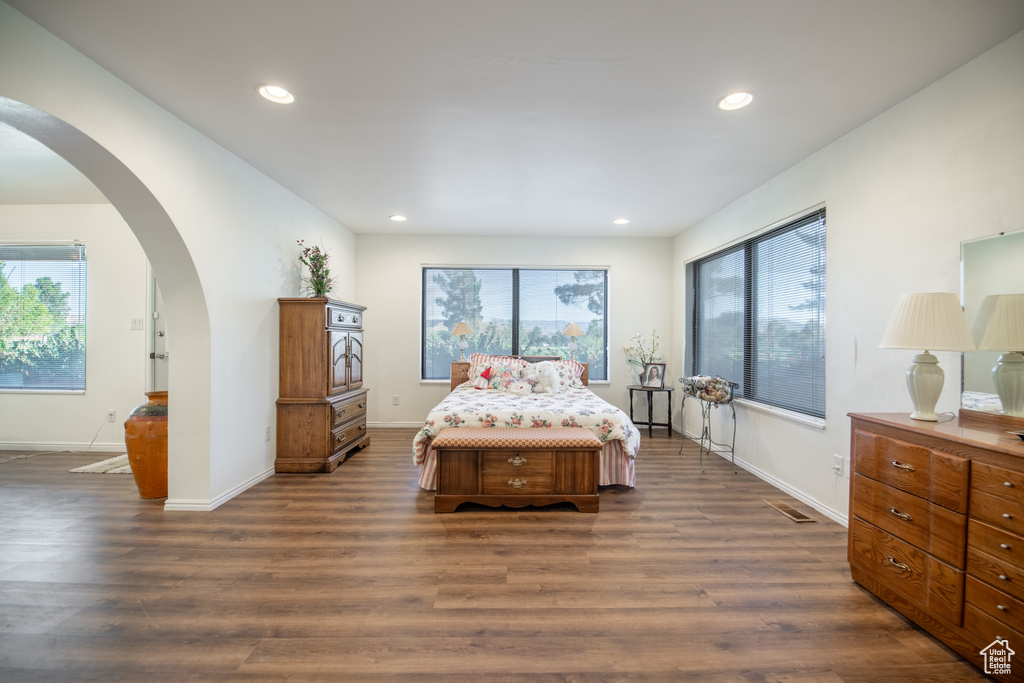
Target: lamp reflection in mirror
column 572, row 331
column 461, row 330
column 932, row 321
column 1000, row 327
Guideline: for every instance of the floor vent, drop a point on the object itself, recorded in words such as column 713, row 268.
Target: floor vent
column 788, row 510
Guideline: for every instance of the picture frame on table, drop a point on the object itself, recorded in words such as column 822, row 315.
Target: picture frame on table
column 654, row 375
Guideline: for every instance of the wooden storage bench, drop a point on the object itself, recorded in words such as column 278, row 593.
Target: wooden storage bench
column 516, row 467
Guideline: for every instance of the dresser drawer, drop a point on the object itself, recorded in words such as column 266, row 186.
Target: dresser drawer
column 996, row 481
column 933, row 528
column 1001, row 544
column 996, row 571
column 995, row 603
column 349, row 409
column 984, row 629
column 997, row 511
column 933, row 475
column 518, row 472
column 345, row 435
column 929, row 583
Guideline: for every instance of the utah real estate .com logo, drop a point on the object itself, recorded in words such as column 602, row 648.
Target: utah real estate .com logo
column 997, row 656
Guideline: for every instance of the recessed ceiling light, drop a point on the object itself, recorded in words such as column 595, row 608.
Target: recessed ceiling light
column 397, row 218
column 275, row 93
column 620, row 221
column 736, row 100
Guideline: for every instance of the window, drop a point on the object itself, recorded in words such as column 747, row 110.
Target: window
column 759, row 316
column 42, row 317
column 519, row 311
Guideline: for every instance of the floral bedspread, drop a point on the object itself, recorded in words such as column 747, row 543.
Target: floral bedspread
column 469, row 407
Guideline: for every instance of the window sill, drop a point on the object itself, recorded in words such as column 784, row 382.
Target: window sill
column 790, row 415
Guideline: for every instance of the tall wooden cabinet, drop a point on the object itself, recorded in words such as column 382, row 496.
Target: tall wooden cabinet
column 937, row 526
column 321, row 412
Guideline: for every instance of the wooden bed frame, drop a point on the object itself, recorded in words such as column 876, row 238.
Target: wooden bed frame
column 460, row 370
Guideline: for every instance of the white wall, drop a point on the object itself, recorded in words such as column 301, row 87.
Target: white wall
column 901, row 193
column 116, row 363
column 388, row 283
column 225, row 255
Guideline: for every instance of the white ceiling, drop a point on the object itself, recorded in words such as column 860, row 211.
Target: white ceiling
column 533, row 117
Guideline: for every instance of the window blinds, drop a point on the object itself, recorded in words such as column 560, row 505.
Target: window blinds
column 759, row 316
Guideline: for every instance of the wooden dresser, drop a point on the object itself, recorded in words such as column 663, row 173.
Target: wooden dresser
column 321, row 412
column 937, row 526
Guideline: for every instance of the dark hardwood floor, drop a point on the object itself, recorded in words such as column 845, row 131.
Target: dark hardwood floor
column 350, row 576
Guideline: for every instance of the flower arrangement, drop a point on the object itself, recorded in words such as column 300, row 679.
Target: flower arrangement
column 319, row 283
column 641, row 350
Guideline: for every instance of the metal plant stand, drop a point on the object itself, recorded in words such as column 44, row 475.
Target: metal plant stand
column 706, row 442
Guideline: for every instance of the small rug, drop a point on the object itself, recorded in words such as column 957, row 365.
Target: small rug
column 116, row 465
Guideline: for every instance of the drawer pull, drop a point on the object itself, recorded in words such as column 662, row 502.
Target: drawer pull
column 899, row 565
column 516, row 483
column 1004, row 546
column 902, row 515
column 905, row 468
column 1008, row 484
column 1006, row 516
column 362, row 404
column 1001, row 608
column 362, row 426
column 517, row 461
column 1004, row 577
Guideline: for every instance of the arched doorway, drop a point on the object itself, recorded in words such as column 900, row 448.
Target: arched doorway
column 184, row 301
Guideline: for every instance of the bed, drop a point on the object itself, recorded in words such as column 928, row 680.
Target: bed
column 574, row 405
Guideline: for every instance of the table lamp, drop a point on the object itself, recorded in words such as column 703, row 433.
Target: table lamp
column 929, row 322
column 572, row 331
column 461, row 330
column 1000, row 327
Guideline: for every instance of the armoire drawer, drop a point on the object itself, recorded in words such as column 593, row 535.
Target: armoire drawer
column 348, row 409
column 349, row 433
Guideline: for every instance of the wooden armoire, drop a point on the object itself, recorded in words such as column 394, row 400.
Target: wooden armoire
column 321, row 412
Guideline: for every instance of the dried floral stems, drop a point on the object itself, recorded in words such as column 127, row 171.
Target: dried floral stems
column 319, row 282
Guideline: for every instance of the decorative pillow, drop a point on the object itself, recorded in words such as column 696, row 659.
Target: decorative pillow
column 479, row 361
column 569, row 373
column 499, row 375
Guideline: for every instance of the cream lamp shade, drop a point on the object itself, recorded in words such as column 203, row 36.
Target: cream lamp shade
column 572, row 330
column 461, row 330
column 1000, row 327
column 932, row 321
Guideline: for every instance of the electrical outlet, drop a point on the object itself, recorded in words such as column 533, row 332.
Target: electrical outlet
column 111, row 415
column 137, row 324
column 266, row 434
column 837, row 465
column 394, row 400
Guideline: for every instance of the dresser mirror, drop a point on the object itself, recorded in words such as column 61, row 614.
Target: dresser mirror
column 990, row 265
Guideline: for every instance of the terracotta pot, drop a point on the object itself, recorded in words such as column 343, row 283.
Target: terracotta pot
column 145, row 436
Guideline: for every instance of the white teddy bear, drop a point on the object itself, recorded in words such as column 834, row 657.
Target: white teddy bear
column 545, row 378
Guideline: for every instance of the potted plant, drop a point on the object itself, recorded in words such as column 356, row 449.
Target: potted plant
column 641, row 351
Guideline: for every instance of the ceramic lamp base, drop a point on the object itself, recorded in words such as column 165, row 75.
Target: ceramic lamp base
column 924, row 380
column 1008, row 376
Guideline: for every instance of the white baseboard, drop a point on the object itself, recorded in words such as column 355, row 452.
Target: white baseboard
column 199, row 505
column 58, row 447
column 812, row 502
